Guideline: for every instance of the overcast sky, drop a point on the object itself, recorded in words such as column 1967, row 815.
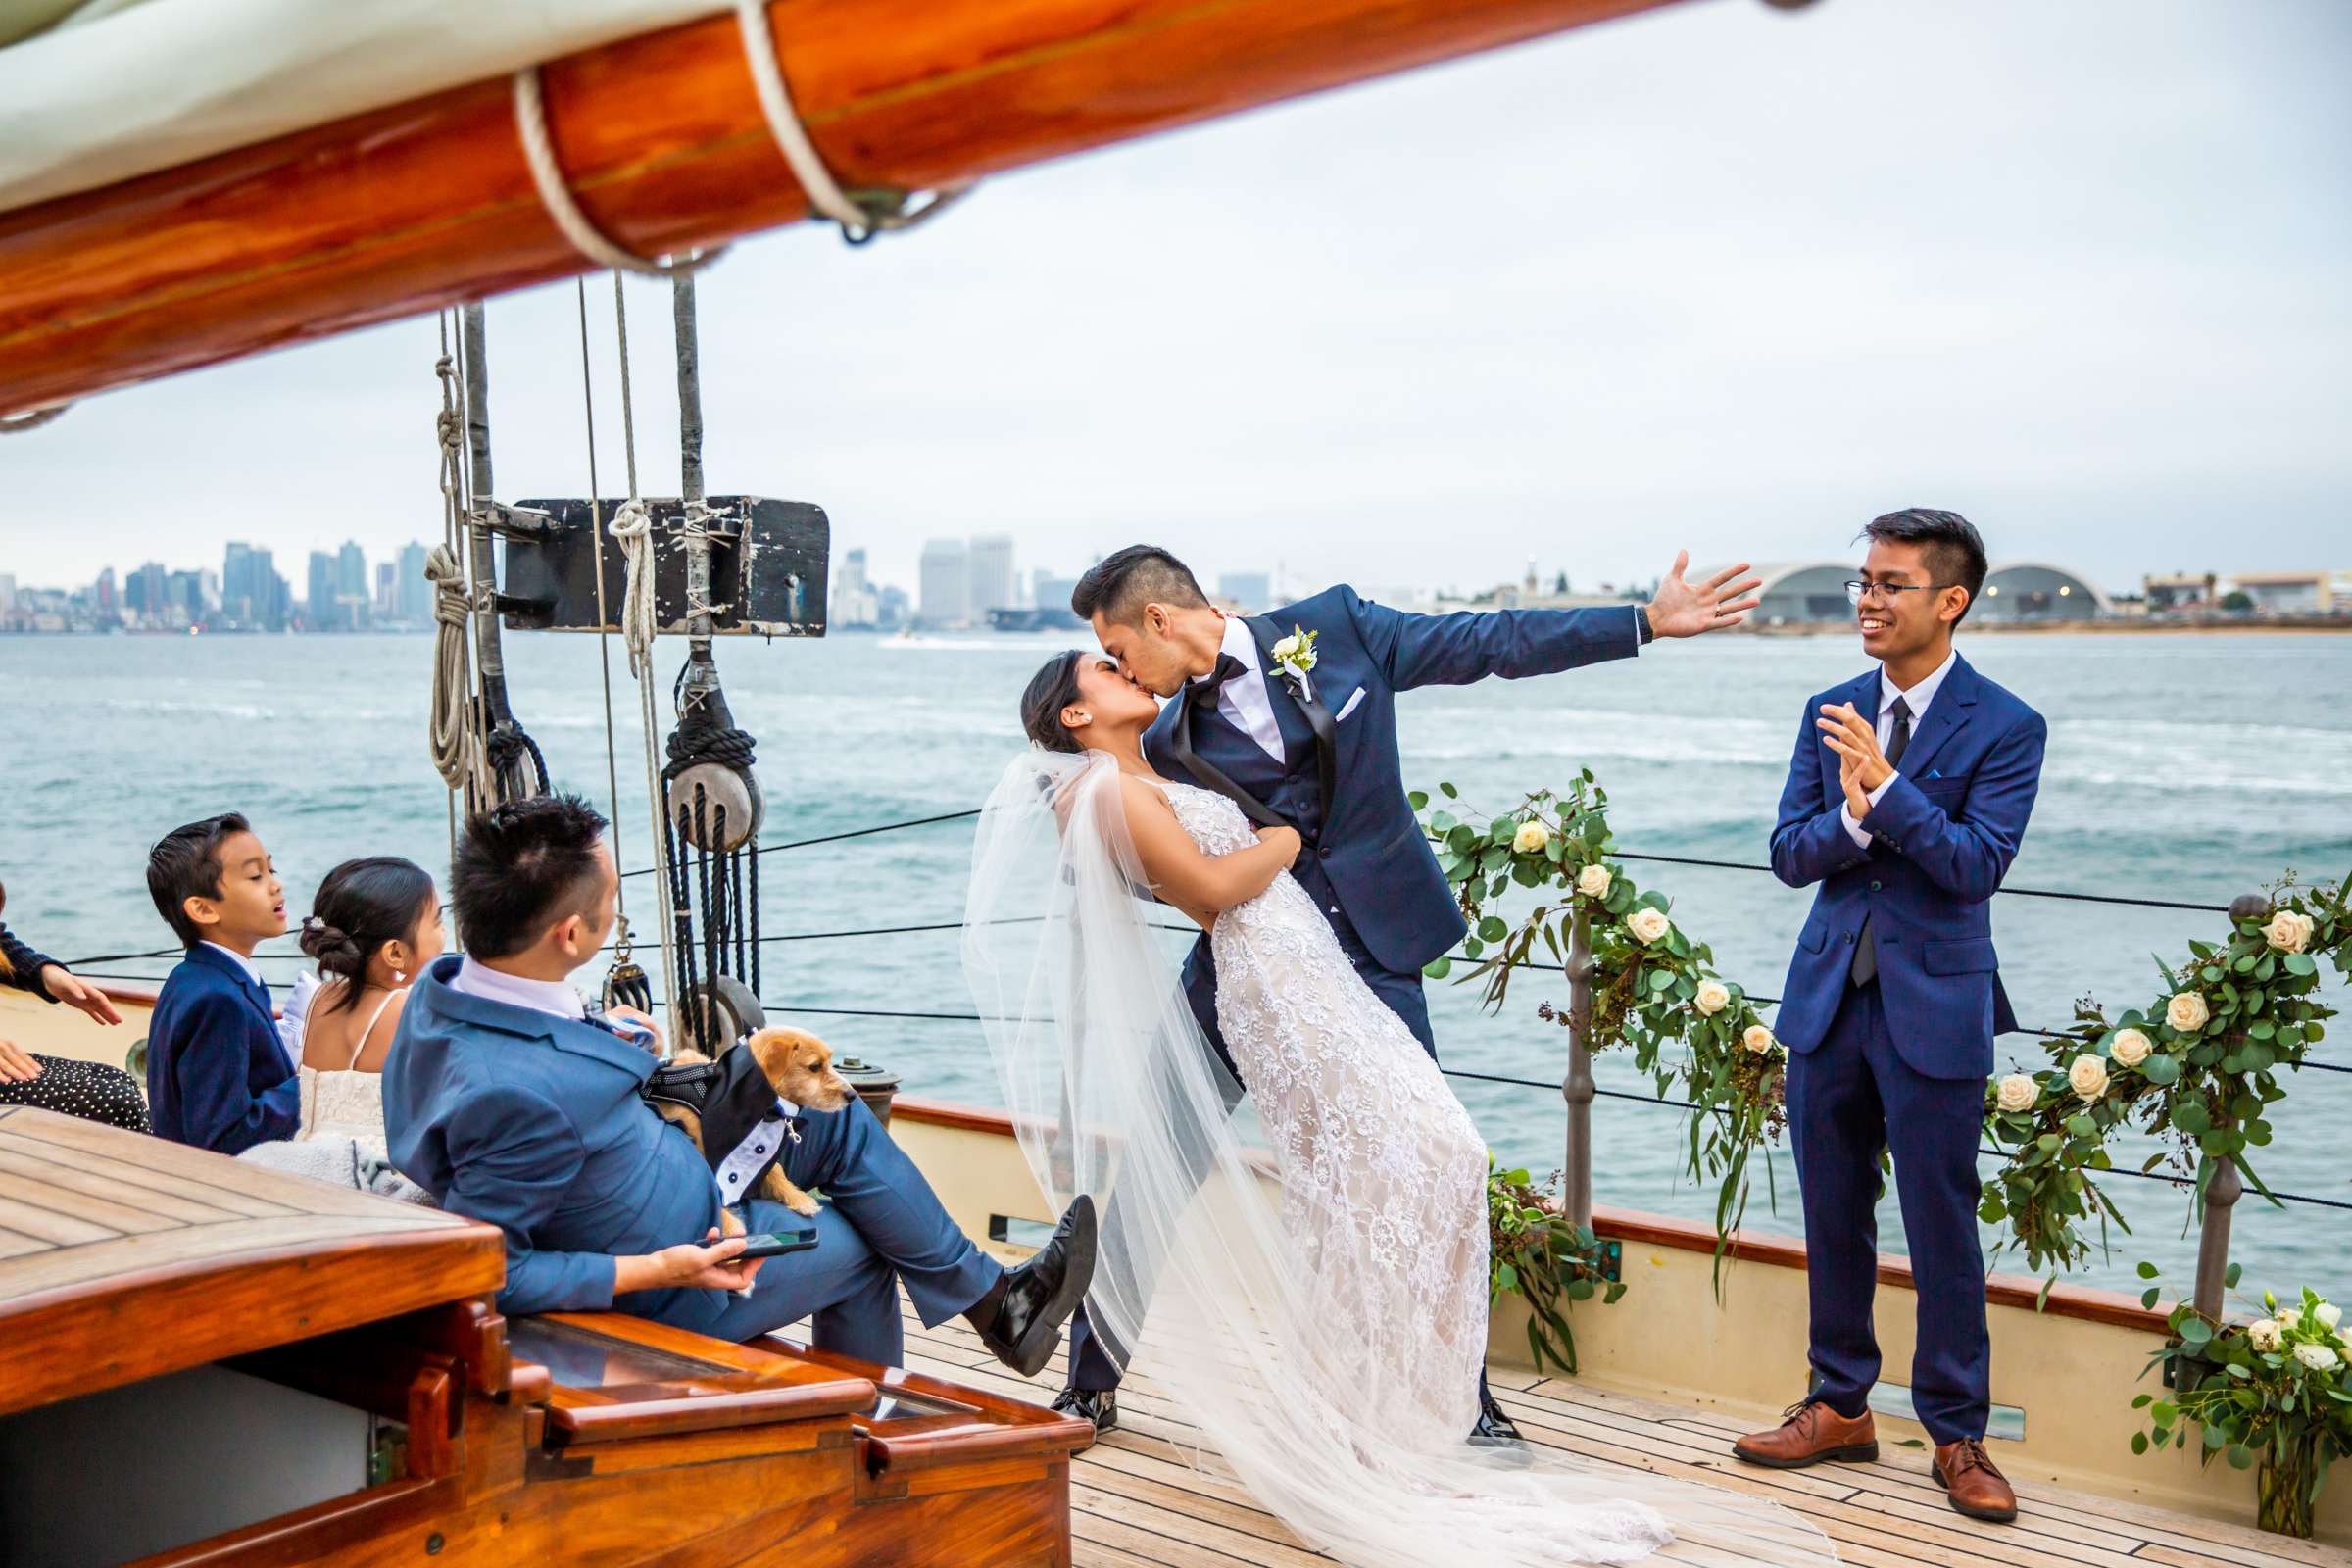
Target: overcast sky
column 1719, row 275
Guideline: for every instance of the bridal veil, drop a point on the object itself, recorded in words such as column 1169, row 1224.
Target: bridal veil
column 1114, row 1090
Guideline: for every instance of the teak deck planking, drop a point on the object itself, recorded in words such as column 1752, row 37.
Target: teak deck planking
column 1137, row 1497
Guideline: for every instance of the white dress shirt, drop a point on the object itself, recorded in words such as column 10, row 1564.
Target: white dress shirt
column 252, row 971
column 540, row 995
column 1244, row 700
column 1917, row 699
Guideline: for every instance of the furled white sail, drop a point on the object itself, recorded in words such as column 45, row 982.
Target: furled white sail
column 107, row 90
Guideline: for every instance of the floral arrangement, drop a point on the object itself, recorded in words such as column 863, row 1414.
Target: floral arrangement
column 2198, row 1066
column 2273, row 1390
column 1535, row 1250
column 1653, row 986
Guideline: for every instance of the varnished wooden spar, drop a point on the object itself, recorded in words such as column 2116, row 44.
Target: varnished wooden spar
column 400, row 210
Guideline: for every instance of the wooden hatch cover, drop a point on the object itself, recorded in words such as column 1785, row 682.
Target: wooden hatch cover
column 125, row 1256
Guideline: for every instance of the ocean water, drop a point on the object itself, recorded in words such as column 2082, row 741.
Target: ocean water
column 2181, row 767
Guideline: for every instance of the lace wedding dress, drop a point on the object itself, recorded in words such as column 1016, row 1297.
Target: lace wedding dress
column 1327, row 1336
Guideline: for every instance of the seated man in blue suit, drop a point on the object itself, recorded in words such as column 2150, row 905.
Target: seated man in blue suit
column 1906, row 800
column 509, row 1102
column 1310, row 742
column 217, row 1076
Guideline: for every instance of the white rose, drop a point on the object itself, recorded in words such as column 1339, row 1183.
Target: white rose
column 2318, row 1358
column 2263, row 1333
column 1648, row 925
column 1530, row 838
column 1758, row 1039
column 1713, row 997
column 2186, row 1013
column 2017, row 1093
column 1286, row 649
column 2288, row 931
column 1594, row 881
column 2328, row 1312
column 2087, row 1076
column 2129, row 1047
column 2289, row 1319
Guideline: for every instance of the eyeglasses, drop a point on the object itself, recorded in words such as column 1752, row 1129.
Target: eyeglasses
column 1859, row 590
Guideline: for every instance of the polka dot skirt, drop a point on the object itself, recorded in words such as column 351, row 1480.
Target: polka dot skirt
column 90, row 1090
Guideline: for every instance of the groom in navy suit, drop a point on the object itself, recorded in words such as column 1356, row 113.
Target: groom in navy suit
column 1905, row 802
column 1303, row 734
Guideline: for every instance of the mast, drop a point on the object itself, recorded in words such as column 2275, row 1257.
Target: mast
column 665, row 148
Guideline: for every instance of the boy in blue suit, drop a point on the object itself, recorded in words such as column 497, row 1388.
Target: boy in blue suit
column 1310, row 742
column 1906, row 800
column 510, row 1103
column 217, row 1076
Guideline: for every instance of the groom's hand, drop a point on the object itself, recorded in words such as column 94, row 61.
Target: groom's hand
column 1680, row 609
column 1850, row 781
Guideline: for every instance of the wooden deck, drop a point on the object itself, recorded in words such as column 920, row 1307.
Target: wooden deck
column 1138, row 1502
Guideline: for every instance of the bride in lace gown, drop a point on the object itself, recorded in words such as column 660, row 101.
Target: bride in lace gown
column 1326, row 1338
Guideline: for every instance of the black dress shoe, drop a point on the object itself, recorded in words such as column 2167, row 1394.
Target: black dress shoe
column 1099, row 1405
column 1495, row 1430
column 1021, row 1319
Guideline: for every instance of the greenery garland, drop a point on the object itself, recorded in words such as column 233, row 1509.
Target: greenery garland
column 1653, row 985
column 2198, row 1066
column 1534, row 1249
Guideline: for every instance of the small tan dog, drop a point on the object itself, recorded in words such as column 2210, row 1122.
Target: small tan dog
column 798, row 1066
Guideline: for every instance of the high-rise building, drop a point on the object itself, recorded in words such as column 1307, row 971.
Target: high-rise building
column 416, row 591
column 991, row 577
column 102, row 593
column 946, row 583
column 352, row 592
column 854, row 601
column 387, row 590
column 318, row 608
column 241, row 596
column 891, row 610
column 144, row 591
column 1252, row 592
column 1050, row 591
column 8, row 592
column 273, row 598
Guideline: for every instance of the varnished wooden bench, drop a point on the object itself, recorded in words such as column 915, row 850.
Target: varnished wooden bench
column 205, row 1362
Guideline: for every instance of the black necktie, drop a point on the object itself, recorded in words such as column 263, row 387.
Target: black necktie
column 1866, row 947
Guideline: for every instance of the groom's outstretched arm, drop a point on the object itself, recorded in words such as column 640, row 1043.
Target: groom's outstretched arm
column 1471, row 645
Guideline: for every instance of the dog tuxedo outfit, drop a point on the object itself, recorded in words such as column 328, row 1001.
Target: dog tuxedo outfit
column 745, row 1124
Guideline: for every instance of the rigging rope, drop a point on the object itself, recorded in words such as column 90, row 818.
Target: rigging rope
column 454, row 736
column 638, row 620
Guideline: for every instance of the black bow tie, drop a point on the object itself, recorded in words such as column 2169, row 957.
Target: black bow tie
column 1205, row 689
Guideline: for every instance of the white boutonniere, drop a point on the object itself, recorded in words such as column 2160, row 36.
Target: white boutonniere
column 1295, row 656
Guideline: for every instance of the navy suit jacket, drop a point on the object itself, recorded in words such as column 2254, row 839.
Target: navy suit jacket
column 533, row 1123
column 218, row 1074
column 1942, row 838
column 1363, row 838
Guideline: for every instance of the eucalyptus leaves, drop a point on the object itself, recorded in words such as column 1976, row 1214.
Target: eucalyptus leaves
column 2276, row 1391
column 1653, row 985
column 2198, row 1067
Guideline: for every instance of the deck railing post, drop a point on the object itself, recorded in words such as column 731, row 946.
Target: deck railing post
column 1577, row 1087
column 2220, row 1179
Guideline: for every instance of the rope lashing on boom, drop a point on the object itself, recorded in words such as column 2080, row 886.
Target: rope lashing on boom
column 862, row 215
column 554, row 194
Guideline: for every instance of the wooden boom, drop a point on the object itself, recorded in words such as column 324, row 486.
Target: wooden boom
column 411, row 208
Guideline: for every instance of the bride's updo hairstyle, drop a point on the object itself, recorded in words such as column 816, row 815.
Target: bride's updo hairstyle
column 1050, row 690
column 361, row 905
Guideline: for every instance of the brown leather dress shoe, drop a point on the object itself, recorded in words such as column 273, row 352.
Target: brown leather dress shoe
column 1972, row 1484
column 1811, row 1434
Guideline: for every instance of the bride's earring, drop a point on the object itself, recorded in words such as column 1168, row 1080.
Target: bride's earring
column 399, row 977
